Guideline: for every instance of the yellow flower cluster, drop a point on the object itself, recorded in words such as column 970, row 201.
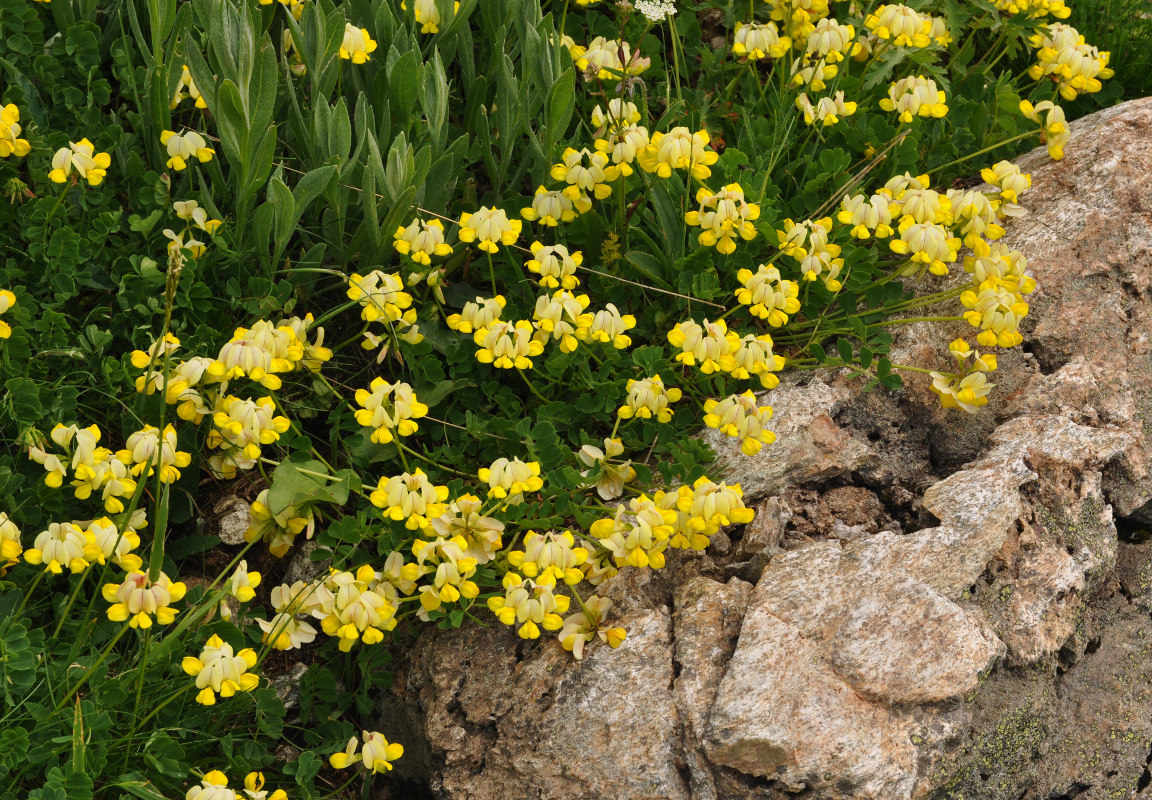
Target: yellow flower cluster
column 905, row 27
column 702, row 509
column 722, row 216
column 1035, row 8
column 183, row 147
column 390, row 409
column 376, row 755
column 214, row 786
column 508, row 480
column 7, row 300
column 421, row 240
column 915, row 96
column 427, row 13
column 827, row 111
column 769, row 297
column 288, row 628
column 96, row 470
column 679, row 148
column 740, row 417
column 279, row 529
column 530, row 605
column 382, row 299
column 10, row 142
column 807, row 243
column 149, row 449
column 221, row 671
column 80, row 158
column 194, row 217
column 354, row 607
column 587, row 624
column 798, row 17
column 606, row 476
column 240, row 427
column 356, row 46
column 138, row 599
column 1063, row 55
column 409, row 498
column 636, row 536
column 75, row 545
column 1053, row 127
column 608, row 59
column 649, row 397
column 756, row 41
column 969, row 389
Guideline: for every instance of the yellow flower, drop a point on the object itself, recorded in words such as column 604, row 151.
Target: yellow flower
column 186, row 82
column 82, row 158
column 811, row 75
column 377, row 755
column 221, row 671
column 10, row 141
column 868, row 215
column 709, row 346
column 588, row 624
column 608, row 478
column 190, row 211
column 510, row 479
column 769, row 296
column 7, row 300
column 621, row 113
column 243, row 584
column 254, row 781
column 10, row 548
column 738, row 416
column 184, row 146
column 756, row 41
column 915, row 96
column 830, row 40
column 997, row 311
column 481, row 313
column 607, row 326
column 356, row 607
column 62, row 545
column 357, row 46
column 604, row 56
column 427, row 13
column 647, row 398
column 827, row 111
column 410, row 498
column 807, row 243
column 213, row 786
column 554, row 264
column 549, row 208
column 138, row 599
column 927, row 246
column 107, row 543
column 550, row 557
column 724, row 215
column 560, row 317
column 491, row 227
column 798, row 16
column 240, row 427
column 1054, row 128
column 586, row 172
column 678, row 149
column 968, row 393
column 288, row 629
column 624, row 144
column 507, row 345
column 142, row 448
column 1002, row 265
column 637, row 535
column 754, row 357
column 391, row 409
column 901, row 25
column 421, row 240
column 530, row 605
column 381, row 295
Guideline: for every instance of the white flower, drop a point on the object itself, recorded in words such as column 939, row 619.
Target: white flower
column 656, row 10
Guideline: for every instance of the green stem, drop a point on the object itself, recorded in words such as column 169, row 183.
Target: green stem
column 88, row 673
column 988, row 149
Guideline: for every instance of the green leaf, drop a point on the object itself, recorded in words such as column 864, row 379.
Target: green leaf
column 865, row 357
column 23, row 398
column 817, row 352
column 561, row 103
column 845, row 350
column 858, row 328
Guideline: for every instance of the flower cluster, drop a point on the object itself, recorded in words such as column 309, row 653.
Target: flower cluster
column 221, row 671
column 82, row 159
column 183, row 147
column 214, row 786
column 10, row 142
column 1063, row 56
column 376, row 755
column 383, row 300
column 138, row 599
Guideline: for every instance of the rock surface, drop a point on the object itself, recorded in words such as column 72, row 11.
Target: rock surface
column 928, row 605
